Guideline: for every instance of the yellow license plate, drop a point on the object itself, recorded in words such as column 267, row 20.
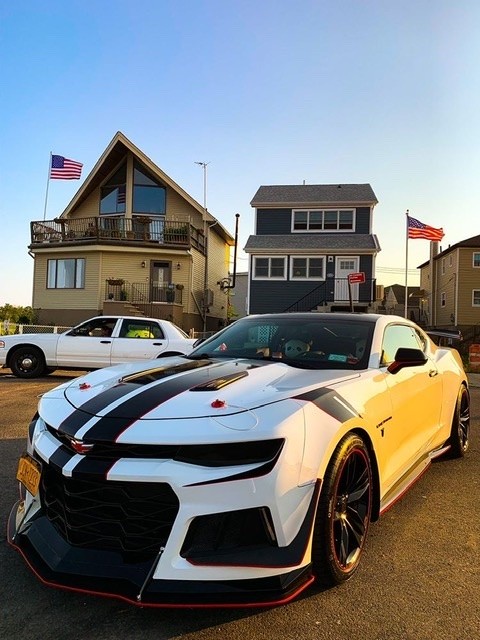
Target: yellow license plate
column 28, row 473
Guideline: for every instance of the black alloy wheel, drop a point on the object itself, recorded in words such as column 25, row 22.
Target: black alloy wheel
column 343, row 514
column 459, row 436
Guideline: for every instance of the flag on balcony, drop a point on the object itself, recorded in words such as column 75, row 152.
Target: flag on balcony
column 417, row 229
column 65, row 169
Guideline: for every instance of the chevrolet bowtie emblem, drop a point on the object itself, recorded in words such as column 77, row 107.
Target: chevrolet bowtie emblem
column 80, row 447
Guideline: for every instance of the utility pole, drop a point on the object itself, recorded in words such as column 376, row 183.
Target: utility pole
column 204, row 166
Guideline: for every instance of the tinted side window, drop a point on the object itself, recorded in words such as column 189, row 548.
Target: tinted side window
column 140, row 329
column 397, row 336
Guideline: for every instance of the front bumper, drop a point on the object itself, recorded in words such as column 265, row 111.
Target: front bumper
column 105, row 573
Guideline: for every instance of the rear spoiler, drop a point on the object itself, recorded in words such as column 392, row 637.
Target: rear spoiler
column 445, row 337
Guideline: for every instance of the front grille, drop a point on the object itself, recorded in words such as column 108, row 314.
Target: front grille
column 133, row 518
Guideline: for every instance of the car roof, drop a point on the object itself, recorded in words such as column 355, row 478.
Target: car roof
column 308, row 315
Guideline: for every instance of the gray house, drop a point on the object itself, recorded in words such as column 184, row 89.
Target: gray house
column 308, row 239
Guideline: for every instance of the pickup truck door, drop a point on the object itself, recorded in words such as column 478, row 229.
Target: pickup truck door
column 138, row 340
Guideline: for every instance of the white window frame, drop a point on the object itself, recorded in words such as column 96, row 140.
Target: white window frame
column 323, row 212
column 292, row 276
column 476, row 266
column 78, row 273
column 475, row 291
column 269, row 277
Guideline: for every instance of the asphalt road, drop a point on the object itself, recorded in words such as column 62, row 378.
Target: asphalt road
column 419, row 580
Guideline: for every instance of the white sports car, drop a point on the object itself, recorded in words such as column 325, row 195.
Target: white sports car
column 242, row 472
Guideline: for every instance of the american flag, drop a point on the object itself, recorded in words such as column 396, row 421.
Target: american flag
column 417, row 229
column 64, row 169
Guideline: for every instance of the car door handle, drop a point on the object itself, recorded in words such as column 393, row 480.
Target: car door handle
column 158, row 344
column 432, row 373
column 105, row 342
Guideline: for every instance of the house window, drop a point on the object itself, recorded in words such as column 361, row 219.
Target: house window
column 149, row 196
column 307, row 268
column 269, row 268
column 476, row 259
column 322, row 220
column 113, row 193
column 476, row 298
column 443, row 299
column 66, row 274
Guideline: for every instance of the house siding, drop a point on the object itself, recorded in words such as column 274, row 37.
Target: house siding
column 469, row 280
column 279, row 221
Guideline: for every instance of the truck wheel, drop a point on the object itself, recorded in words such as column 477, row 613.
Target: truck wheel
column 27, row 362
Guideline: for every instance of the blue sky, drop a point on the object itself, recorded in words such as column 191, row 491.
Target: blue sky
column 267, row 92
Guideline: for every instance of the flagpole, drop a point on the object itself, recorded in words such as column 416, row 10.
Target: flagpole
column 46, row 191
column 406, row 267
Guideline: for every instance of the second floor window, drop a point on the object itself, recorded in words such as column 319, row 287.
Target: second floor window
column 443, row 299
column 66, row 274
column 322, row 220
column 149, row 196
column 476, row 259
column 476, row 297
column 269, row 268
column 308, row 268
column 113, row 193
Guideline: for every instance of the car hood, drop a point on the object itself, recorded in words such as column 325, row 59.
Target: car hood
column 177, row 387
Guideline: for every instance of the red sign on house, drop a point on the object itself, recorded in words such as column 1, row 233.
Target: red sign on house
column 356, row 278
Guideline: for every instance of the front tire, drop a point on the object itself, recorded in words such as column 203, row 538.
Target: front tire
column 459, row 435
column 343, row 513
column 27, row 362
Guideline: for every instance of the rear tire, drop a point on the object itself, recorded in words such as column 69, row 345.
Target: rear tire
column 459, row 435
column 27, row 362
column 343, row 513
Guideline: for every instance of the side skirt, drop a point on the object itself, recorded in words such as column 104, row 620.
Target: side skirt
column 404, row 484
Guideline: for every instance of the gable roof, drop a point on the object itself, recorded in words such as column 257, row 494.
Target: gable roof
column 469, row 243
column 302, row 195
column 110, row 158
column 398, row 290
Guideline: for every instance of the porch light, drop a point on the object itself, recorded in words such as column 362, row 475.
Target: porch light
column 143, row 264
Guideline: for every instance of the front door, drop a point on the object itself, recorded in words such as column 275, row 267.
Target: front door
column 343, row 266
column 160, row 278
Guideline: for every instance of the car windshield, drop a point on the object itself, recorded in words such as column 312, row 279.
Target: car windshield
column 313, row 342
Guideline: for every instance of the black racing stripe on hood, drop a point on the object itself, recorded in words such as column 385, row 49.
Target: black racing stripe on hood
column 92, row 407
column 109, row 427
column 331, row 402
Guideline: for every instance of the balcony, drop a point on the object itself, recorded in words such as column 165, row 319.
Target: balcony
column 139, row 230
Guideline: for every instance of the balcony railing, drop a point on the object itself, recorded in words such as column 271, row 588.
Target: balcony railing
column 142, row 292
column 114, row 229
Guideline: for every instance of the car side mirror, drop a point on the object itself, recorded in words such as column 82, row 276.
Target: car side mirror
column 407, row 358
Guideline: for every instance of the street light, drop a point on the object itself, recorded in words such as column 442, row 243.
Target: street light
column 204, row 166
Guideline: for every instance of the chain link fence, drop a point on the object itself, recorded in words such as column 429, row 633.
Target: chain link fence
column 11, row 328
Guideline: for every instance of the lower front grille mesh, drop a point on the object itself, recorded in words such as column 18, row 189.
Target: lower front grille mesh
column 133, row 518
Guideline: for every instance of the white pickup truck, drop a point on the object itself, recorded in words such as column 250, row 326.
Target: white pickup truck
column 98, row 342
